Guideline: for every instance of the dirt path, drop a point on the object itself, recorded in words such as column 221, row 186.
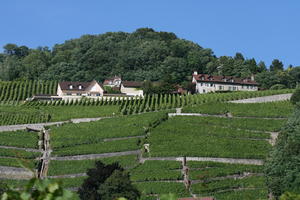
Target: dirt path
column 20, row 148
column 222, row 160
column 279, row 97
column 40, row 126
column 221, row 116
column 95, row 156
column 15, row 173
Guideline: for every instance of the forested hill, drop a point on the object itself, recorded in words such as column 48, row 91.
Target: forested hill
column 142, row 55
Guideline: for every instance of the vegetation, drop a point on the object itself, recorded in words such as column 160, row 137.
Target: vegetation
column 296, row 96
column 19, row 139
column 45, row 189
column 20, row 90
column 107, row 182
column 281, row 109
column 177, row 138
column 142, row 55
column 282, row 167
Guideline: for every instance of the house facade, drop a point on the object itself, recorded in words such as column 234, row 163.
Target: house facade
column 69, row 90
column 132, row 88
column 207, row 83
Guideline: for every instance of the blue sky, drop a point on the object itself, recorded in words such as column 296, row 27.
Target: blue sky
column 263, row 29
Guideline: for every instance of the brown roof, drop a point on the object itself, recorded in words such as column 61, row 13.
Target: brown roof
column 65, row 85
column 223, row 79
column 134, row 84
column 108, row 80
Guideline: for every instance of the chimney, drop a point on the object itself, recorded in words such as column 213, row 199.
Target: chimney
column 195, row 73
column 252, row 77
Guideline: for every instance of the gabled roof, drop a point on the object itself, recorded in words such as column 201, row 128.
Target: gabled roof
column 65, row 85
column 223, row 79
column 112, row 79
column 134, row 84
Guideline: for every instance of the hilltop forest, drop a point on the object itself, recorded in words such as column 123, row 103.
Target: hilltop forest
column 142, row 55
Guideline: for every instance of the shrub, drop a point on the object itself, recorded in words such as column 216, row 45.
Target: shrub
column 278, row 87
column 296, row 96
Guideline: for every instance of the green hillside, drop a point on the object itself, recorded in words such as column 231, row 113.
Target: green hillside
column 224, row 154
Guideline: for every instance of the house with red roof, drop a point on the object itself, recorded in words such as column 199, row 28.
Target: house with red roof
column 208, row 83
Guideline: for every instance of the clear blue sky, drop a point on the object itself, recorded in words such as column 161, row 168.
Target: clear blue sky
column 263, row 29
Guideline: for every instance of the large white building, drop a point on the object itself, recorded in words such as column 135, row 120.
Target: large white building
column 207, row 83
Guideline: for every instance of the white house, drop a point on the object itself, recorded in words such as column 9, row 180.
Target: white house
column 70, row 90
column 207, row 83
column 132, row 88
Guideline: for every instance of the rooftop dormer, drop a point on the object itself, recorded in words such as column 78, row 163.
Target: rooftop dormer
column 70, row 87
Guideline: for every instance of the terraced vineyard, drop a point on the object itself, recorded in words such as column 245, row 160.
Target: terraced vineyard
column 224, row 154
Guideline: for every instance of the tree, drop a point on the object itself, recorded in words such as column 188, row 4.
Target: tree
column 95, row 186
column 38, row 189
column 239, row 56
column 296, row 96
column 282, row 166
column 276, row 66
column 118, row 185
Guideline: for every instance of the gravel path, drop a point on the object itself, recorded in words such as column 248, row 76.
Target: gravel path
column 69, row 175
column 279, row 97
column 15, row 173
column 95, row 156
column 222, row 160
column 221, row 116
column 40, row 126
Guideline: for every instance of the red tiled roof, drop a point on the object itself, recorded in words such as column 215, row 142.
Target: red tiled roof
column 108, row 80
column 134, row 84
column 223, row 79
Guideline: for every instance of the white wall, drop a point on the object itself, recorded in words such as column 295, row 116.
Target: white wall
column 204, row 87
column 132, row 91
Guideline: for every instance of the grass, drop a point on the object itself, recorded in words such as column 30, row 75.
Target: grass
column 18, row 153
column 148, row 188
column 19, row 139
column 84, row 133
column 280, row 109
column 157, row 170
column 98, row 148
column 254, row 182
column 70, row 182
column 249, row 194
column 236, row 123
column 170, row 139
column 58, row 167
column 18, row 162
column 205, row 170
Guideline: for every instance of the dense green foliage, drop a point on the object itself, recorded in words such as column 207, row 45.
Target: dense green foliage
column 19, row 139
column 296, row 96
column 282, row 167
column 141, row 55
column 106, row 181
column 44, row 189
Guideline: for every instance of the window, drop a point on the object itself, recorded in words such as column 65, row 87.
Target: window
column 232, row 80
column 97, row 95
column 211, row 85
column 234, row 88
column 70, row 87
column 220, row 87
column 89, row 94
column 69, row 94
column 230, row 88
column 203, row 91
column 78, row 94
column 202, row 78
column 201, row 84
column 80, row 87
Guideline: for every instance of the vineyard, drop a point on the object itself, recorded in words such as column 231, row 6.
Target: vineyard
column 20, row 90
column 224, row 154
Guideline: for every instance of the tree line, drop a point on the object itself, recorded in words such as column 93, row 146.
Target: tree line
column 142, row 55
